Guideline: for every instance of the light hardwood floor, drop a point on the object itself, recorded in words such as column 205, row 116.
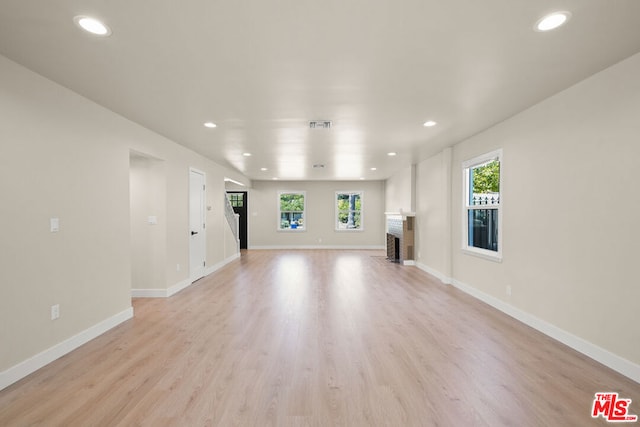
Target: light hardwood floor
column 316, row 338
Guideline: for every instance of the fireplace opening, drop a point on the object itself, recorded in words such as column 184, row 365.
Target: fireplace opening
column 393, row 248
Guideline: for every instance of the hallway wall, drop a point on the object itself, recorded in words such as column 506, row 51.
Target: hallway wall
column 570, row 233
column 63, row 156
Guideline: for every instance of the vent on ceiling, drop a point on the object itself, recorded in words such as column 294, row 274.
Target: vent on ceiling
column 320, row 124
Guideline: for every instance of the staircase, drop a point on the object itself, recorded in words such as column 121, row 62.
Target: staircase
column 233, row 219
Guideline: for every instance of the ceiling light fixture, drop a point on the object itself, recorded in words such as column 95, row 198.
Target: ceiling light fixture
column 264, row 169
column 92, row 25
column 246, row 154
column 552, row 21
column 391, row 154
column 429, row 123
column 374, row 169
column 210, row 125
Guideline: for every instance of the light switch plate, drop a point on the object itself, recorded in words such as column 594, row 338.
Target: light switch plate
column 55, row 311
column 55, row 225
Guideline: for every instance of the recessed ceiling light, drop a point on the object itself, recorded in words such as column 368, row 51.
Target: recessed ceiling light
column 362, row 178
column 246, row 154
column 92, row 26
column 429, row 123
column 274, row 178
column 391, row 154
column 210, row 125
column 552, row 21
column 374, row 169
column 264, row 169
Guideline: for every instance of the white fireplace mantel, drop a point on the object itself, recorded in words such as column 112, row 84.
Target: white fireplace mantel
column 399, row 215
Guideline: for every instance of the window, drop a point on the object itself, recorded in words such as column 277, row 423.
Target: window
column 482, row 216
column 292, row 206
column 236, row 199
column 349, row 210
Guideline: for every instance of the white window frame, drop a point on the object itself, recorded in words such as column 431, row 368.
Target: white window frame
column 304, row 212
column 337, row 211
column 466, row 167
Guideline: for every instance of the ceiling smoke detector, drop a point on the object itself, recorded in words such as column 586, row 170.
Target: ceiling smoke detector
column 320, row 124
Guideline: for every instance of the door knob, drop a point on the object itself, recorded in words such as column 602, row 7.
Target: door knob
column 194, row 232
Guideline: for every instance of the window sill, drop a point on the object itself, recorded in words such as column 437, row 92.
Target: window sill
column 488, row 255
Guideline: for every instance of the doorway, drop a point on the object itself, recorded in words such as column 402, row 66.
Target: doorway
column 147, row 210
column 197, row 238
column 239, row 203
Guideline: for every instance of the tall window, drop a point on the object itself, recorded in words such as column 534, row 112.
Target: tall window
column 292, row 207
column 482, row 217
column 349, row 210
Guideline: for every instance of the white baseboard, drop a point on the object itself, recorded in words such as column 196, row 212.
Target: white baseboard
column 166, row 293
column 172, row 290
column 221, row 264
column 148, row 293
column 161, row 293
column 302, row 247
column 599, row 354
column 22, row 369
column 443, row 278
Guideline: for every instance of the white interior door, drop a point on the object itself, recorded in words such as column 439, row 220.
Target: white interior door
column 197, row 243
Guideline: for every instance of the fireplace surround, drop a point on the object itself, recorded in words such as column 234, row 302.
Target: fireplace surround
column 401, row 237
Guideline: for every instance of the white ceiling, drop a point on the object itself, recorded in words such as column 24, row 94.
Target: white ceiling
column 262, row 69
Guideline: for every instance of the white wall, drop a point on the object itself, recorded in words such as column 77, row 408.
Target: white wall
column 147, row 195
column 63, row 156
column 319, row 216
column 433, row 214
column 400, row 191
column 570, row 233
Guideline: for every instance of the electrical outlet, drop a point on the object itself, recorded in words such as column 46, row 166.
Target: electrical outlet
column 55, row 311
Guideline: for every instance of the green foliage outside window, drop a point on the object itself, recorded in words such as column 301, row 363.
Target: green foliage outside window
column 349, row 207
column 486, row 178
column 291, row 211
column 291, row 202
